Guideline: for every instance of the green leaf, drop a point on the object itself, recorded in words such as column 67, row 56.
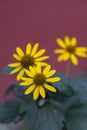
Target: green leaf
column 7, row 70
column 16, row 90
column 79, row 84
column 46, row 117
column 76, row 112
column 76, row 117
column 9, row 110
column 63, row 85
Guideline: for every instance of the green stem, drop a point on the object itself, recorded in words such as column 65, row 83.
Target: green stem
column 68, row 68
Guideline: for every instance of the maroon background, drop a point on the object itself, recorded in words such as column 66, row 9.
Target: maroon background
column 42, row 21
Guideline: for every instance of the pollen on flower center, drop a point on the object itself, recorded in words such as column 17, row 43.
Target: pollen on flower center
column 27, row 61
column 39, row 79
column 71, row 49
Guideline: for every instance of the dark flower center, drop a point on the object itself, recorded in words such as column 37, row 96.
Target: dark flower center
column 39, row 79
column 71, row 49
column 27, row 61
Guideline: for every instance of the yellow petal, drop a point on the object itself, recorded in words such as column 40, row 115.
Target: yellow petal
column 28, row 48
column 46, row 69
column 26, row 83
column 64, row 57
column 34, row 49
column 50, row 73
column 41, row 63
column 39, row 53
column 81, row 54
column 32, row 70
column 54, row 79
column 60, row 43
column 42, row 58
column 17, row 57
column 42, row 92
column 82, row 49
column 15, row 70
column 50, row 88
column 74, row 59
column 73, row 41
column 67, row 40
column 20, row 74
column 29, row 73
column 27, row 79
column 38, row 68
column 19, row 52
column 14, row 64
column 36, row 93
column 30, row 89
column 59, row 51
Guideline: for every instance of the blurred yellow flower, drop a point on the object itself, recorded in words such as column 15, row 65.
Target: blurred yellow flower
column 70, row 50
column 38, row 80
column 32, row 57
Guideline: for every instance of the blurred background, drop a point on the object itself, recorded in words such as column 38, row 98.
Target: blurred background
column 23, row 21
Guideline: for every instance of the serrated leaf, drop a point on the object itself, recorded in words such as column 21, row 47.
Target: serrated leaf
column 47, row 117
column 9, row 110
column 6, row 70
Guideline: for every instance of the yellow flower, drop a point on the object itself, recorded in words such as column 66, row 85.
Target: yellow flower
column 32, row 57
column 70, row 50
column 38, row 80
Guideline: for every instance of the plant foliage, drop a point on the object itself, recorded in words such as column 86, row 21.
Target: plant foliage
column 64, row 110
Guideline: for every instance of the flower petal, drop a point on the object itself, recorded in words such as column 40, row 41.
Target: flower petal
column 46, row 69
column 42, row 58
column 30, row 89
column 28, row 48
column 74, row 59
column 19, row 52
column 20, row 74
column 34, row 49
column 39, row 53
column 73, row 41
column 27, row 79
column 50, row 88
column 81, row 54
column 14, row 64
column 42, row 92
column 41, row 63
column 36, row 93
column 67, row 40
column 15, row 70
column 17, row 57
column 64, row 56
column 59, row 51
column 82, row 49
column 50, row 73
column 32, row 70
column 26, row 83
column 29, row 73
column 60, row 43
column 38, row 68
column 54, row 79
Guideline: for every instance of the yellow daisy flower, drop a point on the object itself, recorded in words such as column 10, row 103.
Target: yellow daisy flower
column 69, row 50
column 32, row 57
column 38, row 80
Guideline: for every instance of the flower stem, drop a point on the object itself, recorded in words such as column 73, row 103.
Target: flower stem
column 68, row 68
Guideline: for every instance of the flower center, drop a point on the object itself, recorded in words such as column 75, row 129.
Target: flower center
column 39, row 79
column 27, row 61
column 71, row 49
